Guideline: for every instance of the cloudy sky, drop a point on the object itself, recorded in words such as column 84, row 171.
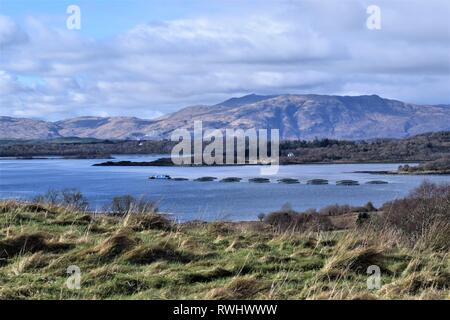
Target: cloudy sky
column 148, row 58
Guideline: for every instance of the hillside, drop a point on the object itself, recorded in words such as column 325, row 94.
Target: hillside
column 311, row 116
column 296, row 116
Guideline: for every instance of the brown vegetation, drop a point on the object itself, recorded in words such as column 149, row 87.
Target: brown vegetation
column 438, row 166
column 419, row 215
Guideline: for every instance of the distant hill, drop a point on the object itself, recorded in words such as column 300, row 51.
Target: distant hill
column 296, row 116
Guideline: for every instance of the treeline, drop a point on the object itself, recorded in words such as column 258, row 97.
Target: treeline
column 80, row 148
column 424, row 147
column 441, row 165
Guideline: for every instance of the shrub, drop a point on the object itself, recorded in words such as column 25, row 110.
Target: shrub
column 363, row 217
column 122, row 205
column 73, row 198
column 70, row 198
column 261, row 216
column 50, row 197
column 424, row 207
column 294, row 221
column 281, row 219
column 370, row 207
column 336, row 209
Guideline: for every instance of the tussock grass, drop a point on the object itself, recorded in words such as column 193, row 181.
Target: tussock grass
column 147, row 256
column 142, row 221
column 10, row 206
column 238, row 288
column 29, row 243
column 356, row 260
column 207, row 275
column 115, row 245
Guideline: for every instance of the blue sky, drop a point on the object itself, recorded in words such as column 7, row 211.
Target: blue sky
column 106, row 18
column 148, row 58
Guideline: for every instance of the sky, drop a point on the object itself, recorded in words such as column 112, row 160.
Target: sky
column 149, row 58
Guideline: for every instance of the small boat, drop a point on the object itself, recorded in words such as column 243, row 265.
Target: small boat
column 160, row 177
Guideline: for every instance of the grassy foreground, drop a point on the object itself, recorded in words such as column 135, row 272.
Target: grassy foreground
column 146, row 257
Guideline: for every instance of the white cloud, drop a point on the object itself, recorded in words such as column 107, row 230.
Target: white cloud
column 10, row 32
column 154, row 68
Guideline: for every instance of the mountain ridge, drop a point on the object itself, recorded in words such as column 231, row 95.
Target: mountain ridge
column 305, row 116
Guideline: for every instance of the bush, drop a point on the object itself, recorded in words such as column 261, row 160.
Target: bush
column 294, row 221
column 261, row 216
column 50, row 197
column 363, row 217
column 70, row 198
column 122, row 205
column 424, row 207
column 282, row 220
column 73, row 198
column 336, row 210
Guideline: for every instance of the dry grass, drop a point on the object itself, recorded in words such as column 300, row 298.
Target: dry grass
column 356, row 260
column 147, row 254
column 29, row 243
column 239, row 288
column 142, row 221
column 115, row 245
column 149, row 257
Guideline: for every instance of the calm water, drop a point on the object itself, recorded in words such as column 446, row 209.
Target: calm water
column 204, row 200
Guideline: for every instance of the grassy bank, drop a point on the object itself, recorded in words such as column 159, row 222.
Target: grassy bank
column 145, row 256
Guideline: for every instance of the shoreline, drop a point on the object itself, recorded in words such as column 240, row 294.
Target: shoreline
column 166, row 162
column 402, row 173
column 52, row 157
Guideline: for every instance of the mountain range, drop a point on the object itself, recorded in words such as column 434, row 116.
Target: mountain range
column 296, row 116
